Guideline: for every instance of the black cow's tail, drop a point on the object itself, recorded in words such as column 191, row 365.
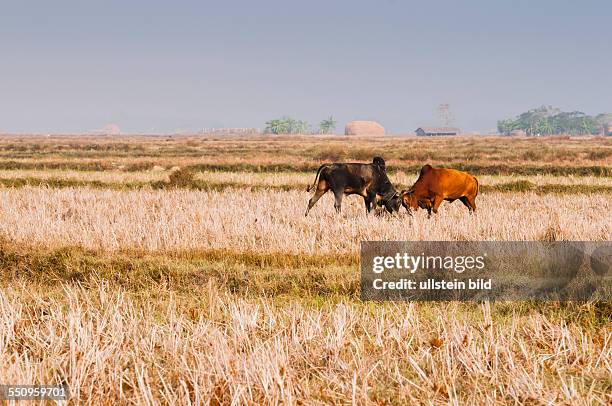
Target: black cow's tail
column 314, row 185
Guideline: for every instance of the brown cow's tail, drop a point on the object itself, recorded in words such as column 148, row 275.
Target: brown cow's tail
column 477, row 185
column 314, row 185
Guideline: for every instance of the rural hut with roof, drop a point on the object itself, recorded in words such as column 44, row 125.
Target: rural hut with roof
column 436, row 131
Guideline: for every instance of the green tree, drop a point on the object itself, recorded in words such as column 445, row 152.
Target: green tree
column 531, row 121
column 286, row 125
column 328, row 125
column 589, row 125
column 602, row 121
column 300, row 127
column 546, row 120
column 278, row 126
column 506, row 126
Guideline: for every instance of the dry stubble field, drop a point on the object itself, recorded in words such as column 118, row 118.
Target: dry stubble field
column 135, row 286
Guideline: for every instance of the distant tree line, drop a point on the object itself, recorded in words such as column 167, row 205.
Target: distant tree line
column 288, row 125
column 547, row 120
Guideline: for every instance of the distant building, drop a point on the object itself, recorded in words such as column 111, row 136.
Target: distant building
column 608, row 129
column 227, row 130
column 436, row 131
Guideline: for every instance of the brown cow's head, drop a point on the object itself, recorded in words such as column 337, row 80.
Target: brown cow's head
column 409, row 200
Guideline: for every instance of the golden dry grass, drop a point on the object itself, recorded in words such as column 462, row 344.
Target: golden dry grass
column 274, row 221
column 112, row 349
column 289, row 179
column 579, row 155
column 178, row 296
column 283, row 181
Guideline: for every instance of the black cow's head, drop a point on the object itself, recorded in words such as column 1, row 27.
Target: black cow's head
column 391, row 202
column 380, row 163
column 394, row 203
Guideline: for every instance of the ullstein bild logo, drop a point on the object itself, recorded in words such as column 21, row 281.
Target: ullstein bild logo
column 486, row 270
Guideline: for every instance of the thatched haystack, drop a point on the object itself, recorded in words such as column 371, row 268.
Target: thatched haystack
column 364, row 128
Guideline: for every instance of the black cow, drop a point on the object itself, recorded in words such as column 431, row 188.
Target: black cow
column 367, row 180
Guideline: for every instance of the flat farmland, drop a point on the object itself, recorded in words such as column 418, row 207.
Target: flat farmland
column 182, row 270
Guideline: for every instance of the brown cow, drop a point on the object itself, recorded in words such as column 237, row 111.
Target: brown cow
column 437, row 184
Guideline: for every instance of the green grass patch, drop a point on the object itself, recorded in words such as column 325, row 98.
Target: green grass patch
column 313, row 280
column 60, row 183
column 243, row 273
column 476, row 169
column 309, row 167
column 185, row 179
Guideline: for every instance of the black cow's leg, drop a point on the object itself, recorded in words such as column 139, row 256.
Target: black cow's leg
column 338, row 194
column 368, row 204
column 321, row 189
column 369, row 199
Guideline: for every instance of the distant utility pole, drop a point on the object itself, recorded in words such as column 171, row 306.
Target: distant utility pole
column 445, row 115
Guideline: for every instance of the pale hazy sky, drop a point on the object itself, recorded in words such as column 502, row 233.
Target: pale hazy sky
column 73, row 66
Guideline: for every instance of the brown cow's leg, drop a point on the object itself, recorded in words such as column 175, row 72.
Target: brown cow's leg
column 321, row 189
column 437, row 200
column 466, row 203
column 472, row 203
column 428, row 207
column 425, row 204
